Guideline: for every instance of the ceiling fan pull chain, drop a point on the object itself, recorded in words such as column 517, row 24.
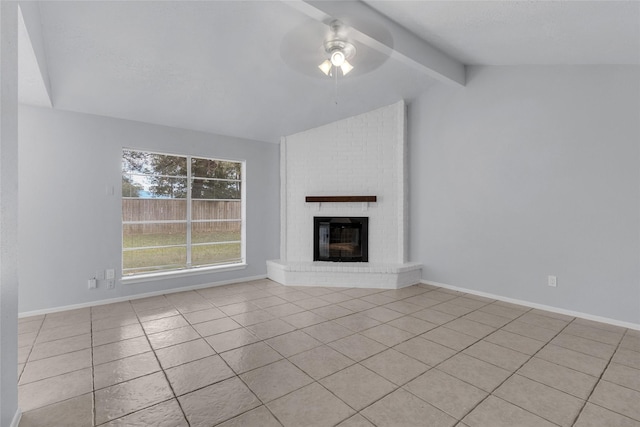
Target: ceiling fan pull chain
column 336, row 87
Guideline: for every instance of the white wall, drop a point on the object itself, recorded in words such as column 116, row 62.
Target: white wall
column 529, row 172
column 70, row 227
column 8, row 213
column 359, row 156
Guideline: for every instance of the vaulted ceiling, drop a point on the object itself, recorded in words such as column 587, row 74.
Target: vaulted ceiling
column 249, row 68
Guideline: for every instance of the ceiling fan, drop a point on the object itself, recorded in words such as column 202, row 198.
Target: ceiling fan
column 339, row 52
column 320, row 49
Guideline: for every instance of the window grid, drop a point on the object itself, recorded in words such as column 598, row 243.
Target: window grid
column 189, row 211
column 236, row 245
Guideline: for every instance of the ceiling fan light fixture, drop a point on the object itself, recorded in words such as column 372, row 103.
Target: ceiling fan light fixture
column 325, row 67
column 346, row 67
column 339, row 52
column 338, row 58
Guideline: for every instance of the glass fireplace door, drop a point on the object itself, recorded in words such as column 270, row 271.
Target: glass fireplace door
column 340, row 239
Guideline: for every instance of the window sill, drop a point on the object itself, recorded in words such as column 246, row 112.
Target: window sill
column 141, row 278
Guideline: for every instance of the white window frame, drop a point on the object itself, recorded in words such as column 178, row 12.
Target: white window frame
column 190, row 270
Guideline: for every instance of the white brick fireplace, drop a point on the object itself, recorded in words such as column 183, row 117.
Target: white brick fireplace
column 363, row 155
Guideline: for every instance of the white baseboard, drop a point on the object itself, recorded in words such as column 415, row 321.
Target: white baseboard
column 16, row 418
column 139, row 296
column 538, row 306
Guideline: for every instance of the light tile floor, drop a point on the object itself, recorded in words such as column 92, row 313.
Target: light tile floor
column 261, row 354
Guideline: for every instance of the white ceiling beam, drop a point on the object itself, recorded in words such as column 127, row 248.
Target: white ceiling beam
column 30, row 11
column 405, row 46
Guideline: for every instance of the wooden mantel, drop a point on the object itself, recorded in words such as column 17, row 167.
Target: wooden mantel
column 340, row 199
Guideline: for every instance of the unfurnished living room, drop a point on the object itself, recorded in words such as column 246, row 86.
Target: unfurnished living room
column 320, row 213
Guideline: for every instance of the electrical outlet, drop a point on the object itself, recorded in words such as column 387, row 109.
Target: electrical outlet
column 111, row 283
column 111, row 274
column 100, row 275
column 552, row 281
column 92, row 283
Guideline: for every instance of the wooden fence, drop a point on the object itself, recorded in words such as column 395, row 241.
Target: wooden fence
column 176, row 209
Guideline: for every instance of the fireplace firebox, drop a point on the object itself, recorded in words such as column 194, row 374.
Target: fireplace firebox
column 341, row 239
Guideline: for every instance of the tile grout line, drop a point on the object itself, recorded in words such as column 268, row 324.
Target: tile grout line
column 463, row 349
column 265, row 404
column 322, row 343
column 146, row 336
column 458, row 420
column 399, row 387
column 235, row 375
column 508, row 377
column 403, row 314
column 284, row 358
column 598, row 381
column 40, row 329
column 31, row 349
column 93, row 372
column 35, row 339
column 514, row 373
column 141, row 376
column 261, row 340
column 164, row 373
column 610, row 359
column 396, row 387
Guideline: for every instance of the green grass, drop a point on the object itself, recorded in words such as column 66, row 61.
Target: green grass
column 145, row 260
column 139, row 240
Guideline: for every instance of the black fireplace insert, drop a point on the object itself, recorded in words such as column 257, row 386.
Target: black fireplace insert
column 341, row 239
